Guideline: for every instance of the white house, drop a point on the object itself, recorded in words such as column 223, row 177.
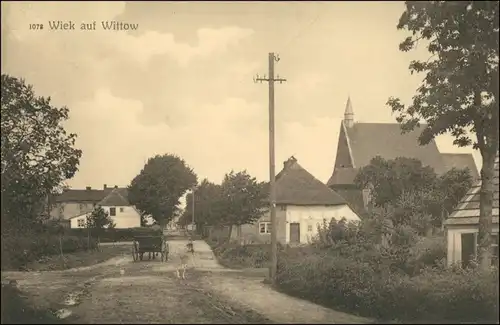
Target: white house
column 462, row 227
column 119, row 209
column 303, row 202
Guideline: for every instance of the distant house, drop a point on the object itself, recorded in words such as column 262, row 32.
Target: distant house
column 302, row 203
column 360, row 142
column 462, row 226
column 73, row 206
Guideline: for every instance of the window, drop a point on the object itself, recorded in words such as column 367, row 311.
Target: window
column 309, row 228
column 122, row 209
column 112, row 212
column 264, row 228
column 494, row 247
column 81, row 223
column 283, row 207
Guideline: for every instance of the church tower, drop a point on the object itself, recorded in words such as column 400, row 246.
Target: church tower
column 349, row 114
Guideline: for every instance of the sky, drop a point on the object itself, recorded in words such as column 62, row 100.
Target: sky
column 182, row 83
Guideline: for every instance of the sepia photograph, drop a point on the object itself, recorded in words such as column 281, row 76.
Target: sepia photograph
column 250, row 162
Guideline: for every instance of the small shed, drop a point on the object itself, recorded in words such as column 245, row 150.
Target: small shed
column 462, row 227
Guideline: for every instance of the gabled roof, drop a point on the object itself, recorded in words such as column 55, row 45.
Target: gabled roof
column 342, row 176
column 368, row 140
column 115, row 198
column 467, row 211
column 360, row 143
column 461, row 161
column 87, row 196
column 295, row 185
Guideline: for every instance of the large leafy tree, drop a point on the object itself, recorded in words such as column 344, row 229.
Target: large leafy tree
column 459, row 94
column 390, row 178
column 207, row 205
column 419, row 196
column 37, row 153
column 243, row 199
column 157, row 189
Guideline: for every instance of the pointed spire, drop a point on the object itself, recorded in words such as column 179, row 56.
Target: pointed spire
column 349, row 113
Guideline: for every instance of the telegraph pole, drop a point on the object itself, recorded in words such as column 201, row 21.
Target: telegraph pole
column 272, row 174
column 192, row 219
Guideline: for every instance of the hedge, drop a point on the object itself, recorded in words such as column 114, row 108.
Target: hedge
column 115, row 235
column 370, row 290
column 17, row 251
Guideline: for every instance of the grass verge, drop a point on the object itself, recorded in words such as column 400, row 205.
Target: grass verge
column 17, row 309
column 77, row 259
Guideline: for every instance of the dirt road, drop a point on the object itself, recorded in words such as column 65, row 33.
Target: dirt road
column 121, row 291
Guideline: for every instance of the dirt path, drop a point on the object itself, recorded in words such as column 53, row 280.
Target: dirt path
column 248, row 290
column 120, row 291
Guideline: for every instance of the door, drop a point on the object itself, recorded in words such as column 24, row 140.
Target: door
column 468, row 248
column 294, row 233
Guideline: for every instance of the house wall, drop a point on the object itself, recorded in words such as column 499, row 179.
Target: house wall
column 304, row 215
column 129, row 218
column 313, row 216
column 250, row 233
column 70, row 209
column 454, row 240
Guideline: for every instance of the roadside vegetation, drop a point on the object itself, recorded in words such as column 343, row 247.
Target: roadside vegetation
column 392, row 266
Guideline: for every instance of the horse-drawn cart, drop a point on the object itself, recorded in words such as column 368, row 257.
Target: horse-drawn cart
column 153, row 245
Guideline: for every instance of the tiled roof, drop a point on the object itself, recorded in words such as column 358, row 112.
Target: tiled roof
column 342, row 176
column 354, row 198
column 460, row 160
column 114, row 198
column 295, row 185
column 368, row 140
column 89, row 196
column 467, row 211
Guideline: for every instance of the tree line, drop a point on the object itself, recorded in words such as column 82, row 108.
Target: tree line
column 157, row 190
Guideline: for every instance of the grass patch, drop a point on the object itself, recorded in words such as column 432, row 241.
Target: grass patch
column 17, row 309
column 77, row 259
column 236, row 256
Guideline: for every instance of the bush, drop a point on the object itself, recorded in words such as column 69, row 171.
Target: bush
column 370, row 290
column 115, row 235
column 246, row 256
column 17, row 251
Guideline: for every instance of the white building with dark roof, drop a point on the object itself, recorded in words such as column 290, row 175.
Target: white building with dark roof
column 302, row 204
column 73, row 206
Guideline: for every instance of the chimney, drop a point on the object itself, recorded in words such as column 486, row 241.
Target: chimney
column 116, row 186
column 289, row 162
column 105, row 186
column 88, row 188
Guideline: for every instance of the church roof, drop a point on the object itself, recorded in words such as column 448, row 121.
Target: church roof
column 467, row 211
column 295, row 185
column 364, row 141
column 369, row 140
column 461, row 160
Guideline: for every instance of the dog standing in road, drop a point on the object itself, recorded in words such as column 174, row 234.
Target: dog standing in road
column 184, row 256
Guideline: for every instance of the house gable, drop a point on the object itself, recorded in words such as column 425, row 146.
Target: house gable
column 467, row 211
column 295, row 185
